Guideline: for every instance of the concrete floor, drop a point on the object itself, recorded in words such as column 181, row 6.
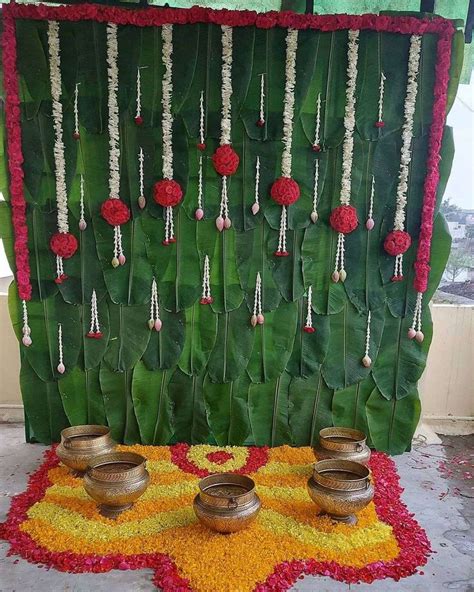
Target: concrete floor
column 442, row 503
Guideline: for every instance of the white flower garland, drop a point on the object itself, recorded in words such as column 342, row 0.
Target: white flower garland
column 317, row 127
column 141, row 181
column 76, row 134
column 366, row 360
column 314, row 211
column 82, row 219
column 257, row 317
column 61, row 368
column 370, row 223
column 26, row 330
column 201, row 119
column 289, row 102
column 155, row 321
column 226, row 88
column 113, row 121
column 167, row 91
column 415, row 332
column 206, row 297
column 94, row 329
column 256, row 203
column 199, row 213
column 261, row 118
column 381, row 96
column 308, row 326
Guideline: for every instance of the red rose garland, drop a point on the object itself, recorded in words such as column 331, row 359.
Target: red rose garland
column 115, row 211
column 344, row 219
column 63, row 244
column 225, row 160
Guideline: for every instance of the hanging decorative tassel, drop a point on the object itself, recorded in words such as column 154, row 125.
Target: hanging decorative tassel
column 366, row 360
column 94, row 330
column 314, row 211
column 206, row 297
column 114, row 211
column 369, row 224
column 167, row 192
column 26, row 339
column 316, row 146
column 257, row 317
column 223, row 221
column 82, row 219
column 256, row 203
column 380, row 122
column 202, row 141
column 141, row 161
column 261, row 117
column 154, row 322
column 63, row 244
column 285, row 190
column 76, row 135
column 138, row 114
column 61, row 368
column 308, row 326
column 398, row 241
column 415, row 332
column 344, row 219
column 199, row 213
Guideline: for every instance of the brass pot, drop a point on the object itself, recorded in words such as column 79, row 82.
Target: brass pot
column 226, row 502
column 342, row 444
column 115, row 481
column 80, row 444
column 341, row 488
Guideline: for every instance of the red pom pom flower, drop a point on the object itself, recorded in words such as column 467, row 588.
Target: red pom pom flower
column 167, row 193
column 344, row 219
column 115, row 211
column 63, row 244
column 397, row 242
column 285, row 191
column 225, row 160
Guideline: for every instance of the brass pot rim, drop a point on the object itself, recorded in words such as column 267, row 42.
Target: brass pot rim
column 101, row 433
column 125, row 474
column 355, row 439
column 227, row 500
column 360, row 471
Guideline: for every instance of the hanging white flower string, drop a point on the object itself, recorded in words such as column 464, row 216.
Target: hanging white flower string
column 316, row 147
column 343, row 219
column 257, row 317
column 26, row 330
column 82, row 219
column 285, row 190
column 202, row 141
column 256, row 203
column 370, row 223
column 199, row 213
column 154, row 322
column 314, row 211
column 138, row 113
column 76, row 135
column 114, row 210
column 380, row 122
column 415, row 332
column 308, row 326
column 63, row 244
column 167, row 192
column 94, row 330
column 206, row 297
column 398, row 241
column 261, row 116
column 366, row 360
column 61, row 368
column 141, row 161
column 225, row 159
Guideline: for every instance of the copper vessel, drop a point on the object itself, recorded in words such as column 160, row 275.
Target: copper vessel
column 342, row 444
column 226, row 502
column 115, row 481
column 341, row 488
column 80, row 444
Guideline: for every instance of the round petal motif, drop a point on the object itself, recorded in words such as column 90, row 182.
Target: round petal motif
column 285, row 191
column 167, row 193
column 225, row 160
column 397, row 242
column 344, row 219
column 115, row 211
column 63, row 244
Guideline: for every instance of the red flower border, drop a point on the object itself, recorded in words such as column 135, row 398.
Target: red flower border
column 412, row 540
column 157, row 17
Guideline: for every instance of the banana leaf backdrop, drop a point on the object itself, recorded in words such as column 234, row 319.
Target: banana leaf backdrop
column 208, row 376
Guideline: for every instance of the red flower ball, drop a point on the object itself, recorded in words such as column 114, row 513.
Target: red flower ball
column 63, row 244
column 397, row 242
column 379, row 124
column 167, row 193
column 138, row 120
column 201, row 146
column 344, row 219
column 115, row 211
column 260, row 123
column 226, row 160
column 285, row 191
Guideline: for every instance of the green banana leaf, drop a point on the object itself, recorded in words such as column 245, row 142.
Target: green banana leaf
column 164, row 347
column 200, row 336
column 6, row 233
column 349, row 405
column 189, row 410
column 152, row 404
column 82, row 398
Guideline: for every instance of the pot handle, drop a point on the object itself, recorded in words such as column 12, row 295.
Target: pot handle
column 359, row 447
column 66, row 442
column 232, row 504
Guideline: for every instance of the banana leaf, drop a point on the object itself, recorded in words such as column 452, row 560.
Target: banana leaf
column 82, row 398
column 227, row 410
column 189, row 411
column 116, row 388
column 94, row 349
column 288, row 271
column 164, row 347
column 200, row 336
column 6, row 233
column 151, row 404
column 392, row 423
column 43, row 407
column 309, row 409
column 349, row 405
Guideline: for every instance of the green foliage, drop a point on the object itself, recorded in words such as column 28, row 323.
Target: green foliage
column 208, row 376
